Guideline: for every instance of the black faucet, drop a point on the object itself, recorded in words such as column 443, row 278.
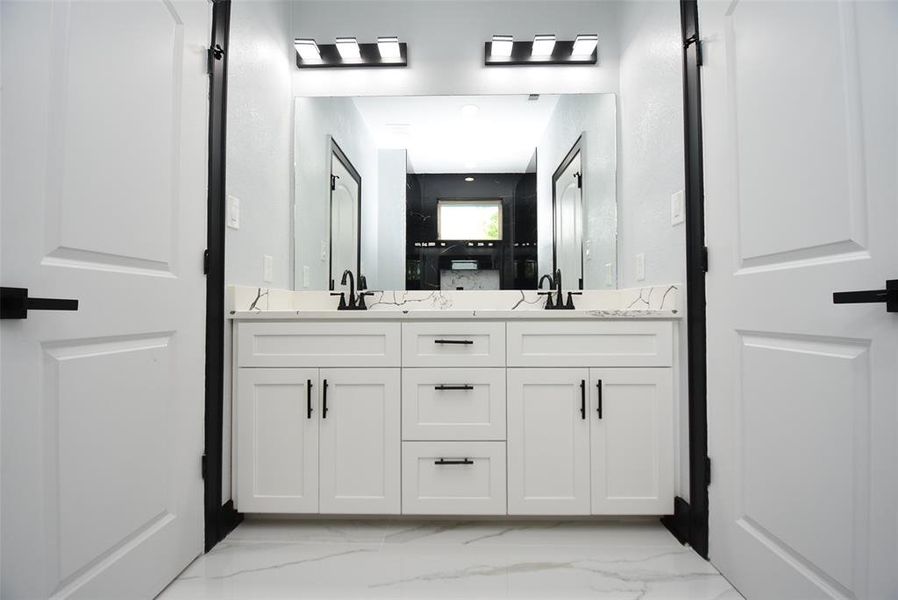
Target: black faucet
column 356, row 302
column 555, row 284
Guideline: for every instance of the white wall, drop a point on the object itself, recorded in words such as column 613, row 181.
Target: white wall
column 259, row 164
column 315, row 120
column 651, row 166
column 594, row 117
column 446, row 46
column 392, row 210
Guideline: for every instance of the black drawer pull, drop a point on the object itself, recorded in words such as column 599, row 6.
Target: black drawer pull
column 324, row 400
column 454, row 461
column 443, row 387
column 308, row 398
column 599, row 407
column 461, row 342
column 583, row 399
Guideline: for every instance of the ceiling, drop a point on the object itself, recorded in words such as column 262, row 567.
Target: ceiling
column 443, row 134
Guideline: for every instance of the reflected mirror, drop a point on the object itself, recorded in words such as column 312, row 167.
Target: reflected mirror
column 460, row 192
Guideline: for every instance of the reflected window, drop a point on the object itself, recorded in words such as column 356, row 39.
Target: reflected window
column 469, row 219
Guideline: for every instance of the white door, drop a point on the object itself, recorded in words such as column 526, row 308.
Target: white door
column 631, row 441
column 104, row 200
column 277, row 440
column 360, row 442
column 569, row 224
column 548, row 442
column 800, row 130
column 345, row 204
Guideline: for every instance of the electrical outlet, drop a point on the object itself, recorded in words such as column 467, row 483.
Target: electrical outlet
column 609, row 274
column 267, row 268
column 677, row 208
column 324, row 250
column 640, row 266
column 233, row 216
column 306, row 276
column 587, row 250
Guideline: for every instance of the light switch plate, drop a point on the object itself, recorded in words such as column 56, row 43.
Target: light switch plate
column 306, row 276
column 233, row 216
column 587, row 250
column 640, row 266
column 677, row 208
column 267, row 268
column 609, row 274
column 323, row 250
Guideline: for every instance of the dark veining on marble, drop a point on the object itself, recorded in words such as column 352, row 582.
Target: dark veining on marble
column 259, row 296
column 279, row 565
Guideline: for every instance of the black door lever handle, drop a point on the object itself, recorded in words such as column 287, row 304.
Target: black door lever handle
column 888, row 295
column 15, row 303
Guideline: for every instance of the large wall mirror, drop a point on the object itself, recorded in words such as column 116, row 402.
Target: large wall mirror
column 460, row 192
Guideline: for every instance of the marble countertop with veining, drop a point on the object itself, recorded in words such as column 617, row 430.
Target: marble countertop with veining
column 484, row 315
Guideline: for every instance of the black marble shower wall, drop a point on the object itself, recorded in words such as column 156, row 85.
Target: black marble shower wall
column 514, row 256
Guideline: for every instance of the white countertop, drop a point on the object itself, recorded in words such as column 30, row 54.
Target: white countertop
column 413, row 315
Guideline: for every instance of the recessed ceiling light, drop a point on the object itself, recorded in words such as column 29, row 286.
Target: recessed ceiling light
column 501, row 47
column 388, row 47
column 585, row 44
column 469, row 179
column 470, row 110
column 307, row 49
column 543, row 45
column 348, row 47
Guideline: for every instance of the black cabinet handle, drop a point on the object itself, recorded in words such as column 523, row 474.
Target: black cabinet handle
column 15, row 303
column 599, row 388
column 454, row 461
column 462, row 342
column 888, row 295
column 308, row 398
column 442, row 387
column 324, row 399
column 583, row 399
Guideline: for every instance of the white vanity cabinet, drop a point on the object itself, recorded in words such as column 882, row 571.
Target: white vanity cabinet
column 524, row 416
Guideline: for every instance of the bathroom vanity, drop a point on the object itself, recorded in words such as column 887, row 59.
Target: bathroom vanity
column 454, row 411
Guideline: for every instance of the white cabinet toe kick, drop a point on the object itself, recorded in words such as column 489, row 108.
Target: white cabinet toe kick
column 454, row 418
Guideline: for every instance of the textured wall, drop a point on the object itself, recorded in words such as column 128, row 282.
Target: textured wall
column 593, row 117
column 651, row 168
column 315, row 120
column 259, row 159
column 446, row 45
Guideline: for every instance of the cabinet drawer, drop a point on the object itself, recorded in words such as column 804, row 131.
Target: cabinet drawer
column 330, row 344
column 453, row 404
column 590, row 344
column 453, row 478
column 453, row 344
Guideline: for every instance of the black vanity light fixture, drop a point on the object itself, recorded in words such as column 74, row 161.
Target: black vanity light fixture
column 543, row 50
column 348, row 52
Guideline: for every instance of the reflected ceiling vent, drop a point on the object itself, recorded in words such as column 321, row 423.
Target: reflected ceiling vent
column 348, row 52
column 544, row 50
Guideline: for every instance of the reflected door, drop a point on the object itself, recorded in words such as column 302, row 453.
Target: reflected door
column 569, row 222
column 344, row 222
column 104, row 188
column 798, row 102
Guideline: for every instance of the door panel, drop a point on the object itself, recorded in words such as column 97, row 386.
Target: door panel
column 569, row 224
column 360, row 441
column 631, row 441
column 104, row 187
column 548, row 442
column 277, row 440
column 799, row 129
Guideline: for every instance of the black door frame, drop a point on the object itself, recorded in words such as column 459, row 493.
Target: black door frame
column 337, row 152
column 689, row 523
column 219, row 518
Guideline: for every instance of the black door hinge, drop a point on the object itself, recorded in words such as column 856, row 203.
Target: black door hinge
column 707, row 470
column 334, row 182
column 206, row 261
column 693, row 39
column 203, row 466
column 579, row 177
column 214, row 53
column 705, row 259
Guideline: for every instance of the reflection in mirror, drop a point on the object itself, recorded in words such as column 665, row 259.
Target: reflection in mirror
column 461, row 192
column 345, row 210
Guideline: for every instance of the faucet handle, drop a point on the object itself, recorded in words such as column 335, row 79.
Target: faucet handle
column 342, row 305
column 361, row 304
column 570, row 298
column 548, row 295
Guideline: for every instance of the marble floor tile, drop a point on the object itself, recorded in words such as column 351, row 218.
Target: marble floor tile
column 403, row 559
